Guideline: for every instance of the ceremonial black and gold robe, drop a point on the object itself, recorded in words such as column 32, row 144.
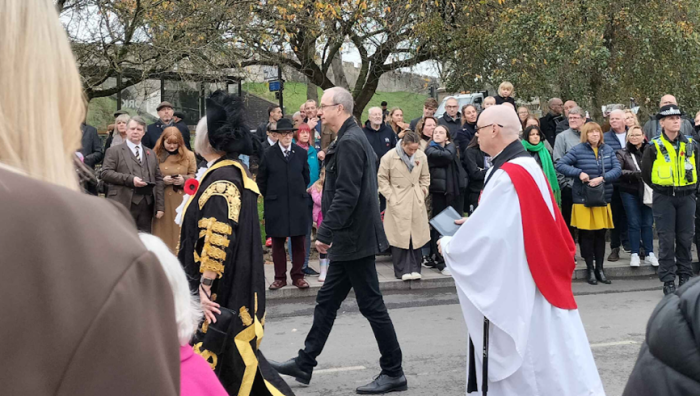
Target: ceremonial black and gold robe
column 221, row 233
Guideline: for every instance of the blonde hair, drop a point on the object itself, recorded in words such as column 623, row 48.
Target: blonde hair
column 588, row 128
column 633, row 128
column 38, row 70
column 628, row 111
column 506, row 85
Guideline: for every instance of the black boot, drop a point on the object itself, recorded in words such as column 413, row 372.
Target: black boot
column 589, row 273
column 682, row 280
column 600, row 274
column 669, row 287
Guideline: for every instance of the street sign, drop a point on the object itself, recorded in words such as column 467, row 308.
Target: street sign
column 274, row 85
column 270, row 73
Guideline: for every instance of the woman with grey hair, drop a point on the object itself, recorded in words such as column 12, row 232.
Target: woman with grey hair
column 221, row 253
column 118, row 135
column 196, row 377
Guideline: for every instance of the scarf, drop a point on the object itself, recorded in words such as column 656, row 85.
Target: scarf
column 547, row 167
column 305, row 146
column 409, row 161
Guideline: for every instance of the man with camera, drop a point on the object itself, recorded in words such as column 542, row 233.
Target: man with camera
column 669, row 166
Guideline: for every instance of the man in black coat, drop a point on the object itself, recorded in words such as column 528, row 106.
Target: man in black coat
column 181, row 124
column 378, row 134
column 282, row 178
column 274, row 114
column 91, row 146
column 430, row 106
column 451, row 119
column 165, row 119
column 352, row 233
column 548, row 123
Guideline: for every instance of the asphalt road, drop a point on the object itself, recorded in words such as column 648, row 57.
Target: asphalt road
column 432, row 334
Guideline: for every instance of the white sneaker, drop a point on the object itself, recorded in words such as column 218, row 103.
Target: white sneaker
column 416, row 276
column 446, row 272
column 651, row 259
column 634, row 260
column 406, row 277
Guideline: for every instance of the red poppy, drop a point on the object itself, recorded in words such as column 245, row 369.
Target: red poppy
column 191, row 186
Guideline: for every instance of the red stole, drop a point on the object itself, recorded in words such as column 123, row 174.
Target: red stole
column 549, row 247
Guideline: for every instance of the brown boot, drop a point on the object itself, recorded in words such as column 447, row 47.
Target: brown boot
column 614, row 255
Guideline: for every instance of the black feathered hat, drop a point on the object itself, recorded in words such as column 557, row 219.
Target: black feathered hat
column 226, row 129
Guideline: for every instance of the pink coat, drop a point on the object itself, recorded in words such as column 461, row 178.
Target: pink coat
column 317, row 215
column 196, row 377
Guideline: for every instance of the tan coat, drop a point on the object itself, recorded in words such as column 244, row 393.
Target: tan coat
column 86, row 309
column 406, row 218
column 165, row 227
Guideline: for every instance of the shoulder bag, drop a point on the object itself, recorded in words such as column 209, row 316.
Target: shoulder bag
column 595, row 196
column 648, row 196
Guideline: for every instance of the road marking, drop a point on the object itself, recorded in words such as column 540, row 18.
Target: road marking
column 617, row 343
column 340, row 369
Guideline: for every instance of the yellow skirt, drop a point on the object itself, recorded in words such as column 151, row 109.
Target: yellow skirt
column 597, row 218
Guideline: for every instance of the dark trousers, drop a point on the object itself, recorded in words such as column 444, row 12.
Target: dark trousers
column 471, row 202
column 279, row 258
column 360, row 275
column 439, row 203
column 567, row 205
column 142, row 213
column 697, row 225
column 592, row 244
column 674, row 217
column 308, row 236
column 640, row 220
column 618, row 235
column 406, row 261
column 382, row 203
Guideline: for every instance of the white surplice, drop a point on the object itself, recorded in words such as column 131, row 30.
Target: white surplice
column 535, row 348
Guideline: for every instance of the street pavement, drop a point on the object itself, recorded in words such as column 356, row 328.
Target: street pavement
column 433, row 337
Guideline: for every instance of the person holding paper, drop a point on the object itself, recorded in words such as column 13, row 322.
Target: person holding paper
column 512, row 261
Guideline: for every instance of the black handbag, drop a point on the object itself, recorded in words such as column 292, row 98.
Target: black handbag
column 215, row 339
column 595, row 196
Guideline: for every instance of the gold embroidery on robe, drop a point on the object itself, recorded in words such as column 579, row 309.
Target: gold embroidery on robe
column 215, row 234
column 245, row 317
column 229, row 191
column 209, row 356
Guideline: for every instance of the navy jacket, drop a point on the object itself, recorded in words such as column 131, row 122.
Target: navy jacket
column 381, row 141
column 464, row 136
column 154, row 131
column 581, row 158
column 611, row 140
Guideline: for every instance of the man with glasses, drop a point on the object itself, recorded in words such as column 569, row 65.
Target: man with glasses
column 564, row 142
column 451, row 119
column 352, row 234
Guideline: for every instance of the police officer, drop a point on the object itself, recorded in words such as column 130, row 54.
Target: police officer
column 669, row 166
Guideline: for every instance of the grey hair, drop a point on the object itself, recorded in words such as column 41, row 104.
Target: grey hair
column 297, row 114
column 451, row 98
column 374, row 108
column 202, row 146
column 138, row 120
column 342, row 97
column 187, row 307
column 122, row 117
column 577, row 110
column 549, row 103
column 622, row 112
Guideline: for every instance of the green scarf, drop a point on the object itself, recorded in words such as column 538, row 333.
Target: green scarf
column 547, row 166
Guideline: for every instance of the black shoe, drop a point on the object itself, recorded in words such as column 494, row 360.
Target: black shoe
column 292, row 369
column 669, row 288
column 682, row 280
column 614, row 255
column 590, row 277
column 428, row 262
column 384, row 384
column 310, row 271
column 600, row 274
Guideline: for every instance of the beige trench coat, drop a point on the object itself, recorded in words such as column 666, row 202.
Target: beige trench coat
column 406, row 218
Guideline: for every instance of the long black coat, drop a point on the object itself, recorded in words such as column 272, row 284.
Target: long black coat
column 351, row 219
column 283, row 184
column 91, row 146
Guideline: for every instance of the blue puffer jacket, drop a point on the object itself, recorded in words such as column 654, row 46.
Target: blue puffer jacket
column 581, row 158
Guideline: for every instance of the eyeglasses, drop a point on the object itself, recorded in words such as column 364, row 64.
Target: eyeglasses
column 489, row 125
column 323, row 106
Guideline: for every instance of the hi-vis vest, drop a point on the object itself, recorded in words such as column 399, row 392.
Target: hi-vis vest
column 669, row 167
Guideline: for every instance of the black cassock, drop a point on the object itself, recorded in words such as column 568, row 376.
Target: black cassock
column 221, row 233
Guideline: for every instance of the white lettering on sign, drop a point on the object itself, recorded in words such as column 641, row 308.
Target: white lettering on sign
column 131, row 103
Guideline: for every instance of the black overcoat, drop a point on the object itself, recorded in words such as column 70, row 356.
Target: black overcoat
column 283, row 184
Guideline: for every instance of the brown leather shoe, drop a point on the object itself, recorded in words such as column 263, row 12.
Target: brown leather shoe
column 614, row 255
column 278, row 284
column 301, row 283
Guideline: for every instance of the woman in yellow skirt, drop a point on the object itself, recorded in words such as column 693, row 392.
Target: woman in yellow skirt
column 591, row 163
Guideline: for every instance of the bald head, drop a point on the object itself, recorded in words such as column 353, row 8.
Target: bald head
column 498, row 126
column 568, row 105
column 336, row 107
column 667, row 100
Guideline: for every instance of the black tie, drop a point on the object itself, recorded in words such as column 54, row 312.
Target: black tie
column 138, row 154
